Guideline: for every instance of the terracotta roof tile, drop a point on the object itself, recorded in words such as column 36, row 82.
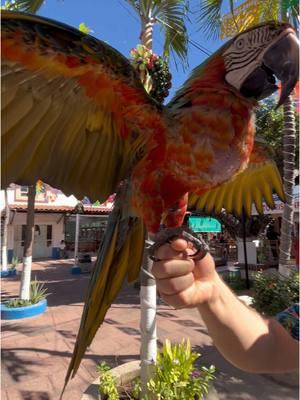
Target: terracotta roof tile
column 61, row 209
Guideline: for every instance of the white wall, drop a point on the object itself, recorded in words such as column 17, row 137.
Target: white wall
column 56, row 220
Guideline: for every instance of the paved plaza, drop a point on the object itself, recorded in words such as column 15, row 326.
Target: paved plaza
column 36, row 351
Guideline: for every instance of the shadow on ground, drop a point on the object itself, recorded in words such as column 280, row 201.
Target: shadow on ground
column 65, row 288
column 234, row 384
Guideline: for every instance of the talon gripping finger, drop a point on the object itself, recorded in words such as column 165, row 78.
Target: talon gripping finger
column 168, row 234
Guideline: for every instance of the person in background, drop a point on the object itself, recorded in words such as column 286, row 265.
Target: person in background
column 295, row 247
column 273, row 236
column 245, row 338
column 62, row 249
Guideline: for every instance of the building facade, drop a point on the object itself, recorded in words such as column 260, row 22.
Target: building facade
column 54, row 221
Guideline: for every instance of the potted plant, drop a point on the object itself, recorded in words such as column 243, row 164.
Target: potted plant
column 11, row 270
column 175, row 376
column 18, row 308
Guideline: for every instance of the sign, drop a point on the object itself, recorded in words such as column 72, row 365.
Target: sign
column 204, row 224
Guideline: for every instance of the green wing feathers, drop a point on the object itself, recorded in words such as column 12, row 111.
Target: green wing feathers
column 120, row 255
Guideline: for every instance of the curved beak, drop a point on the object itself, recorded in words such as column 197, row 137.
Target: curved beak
column 283, row 60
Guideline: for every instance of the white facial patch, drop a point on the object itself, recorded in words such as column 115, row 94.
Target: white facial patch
column 247, row 51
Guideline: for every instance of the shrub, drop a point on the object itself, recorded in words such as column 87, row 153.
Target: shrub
column 175, row 375
column 17, row 303
column 14, row 263
column 37, row 293
column 107, row 383
column 274, row 293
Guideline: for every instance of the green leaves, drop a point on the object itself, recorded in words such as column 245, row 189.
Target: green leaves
column 84, row 28
column 172, row 17
column 269, row 126
column 209, row 17
column 38, row 292
column 274, row 293
column 30, row 6
column 107, row 382
column 176, row 377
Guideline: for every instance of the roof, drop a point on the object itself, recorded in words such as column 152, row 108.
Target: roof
column 61, row 209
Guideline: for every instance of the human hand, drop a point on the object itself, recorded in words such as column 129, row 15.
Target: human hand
column 184, row 281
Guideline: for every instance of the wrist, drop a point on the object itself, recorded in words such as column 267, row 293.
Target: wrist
column 217, row 291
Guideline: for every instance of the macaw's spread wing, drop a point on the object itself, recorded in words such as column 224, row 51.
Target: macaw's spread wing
column 254, row 185
column 74, row 111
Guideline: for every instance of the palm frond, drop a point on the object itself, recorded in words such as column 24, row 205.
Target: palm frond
column 172, row 17
column 30, row 6
column 209, row 17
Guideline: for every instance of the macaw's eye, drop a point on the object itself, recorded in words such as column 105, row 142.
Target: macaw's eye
column 240, row 44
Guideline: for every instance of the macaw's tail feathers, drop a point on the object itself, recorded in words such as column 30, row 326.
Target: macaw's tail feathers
column 120, row 254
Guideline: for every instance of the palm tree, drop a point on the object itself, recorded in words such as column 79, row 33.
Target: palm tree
column 247, row 14
column 4, row 237
column 27, row 255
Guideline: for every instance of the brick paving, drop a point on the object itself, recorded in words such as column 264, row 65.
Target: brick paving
column 36, row 351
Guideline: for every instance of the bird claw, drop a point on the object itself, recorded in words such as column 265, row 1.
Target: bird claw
column 168, row 234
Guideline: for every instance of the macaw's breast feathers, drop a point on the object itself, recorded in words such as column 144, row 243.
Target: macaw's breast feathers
column 74, row 112
column 252, row 186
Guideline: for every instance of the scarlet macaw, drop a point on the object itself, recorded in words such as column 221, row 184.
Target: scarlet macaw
column 75, row 115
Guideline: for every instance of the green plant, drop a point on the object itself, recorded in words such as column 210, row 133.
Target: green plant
column 274, row 293
column 14, row 263
column 137, row 284
column 175, row 375
column 107, row 383
column 37, row 292
column 17, row 303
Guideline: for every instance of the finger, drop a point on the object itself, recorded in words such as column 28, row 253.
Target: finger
column 172, row 268
column 167, row 251
column 178, row 248
column 172, row 286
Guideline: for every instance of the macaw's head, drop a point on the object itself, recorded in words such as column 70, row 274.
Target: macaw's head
column 254, row 58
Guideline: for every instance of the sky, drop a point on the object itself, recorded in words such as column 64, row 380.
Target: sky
column 115, row 22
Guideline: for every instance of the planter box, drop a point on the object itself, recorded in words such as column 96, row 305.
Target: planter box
column 8, row 273
column 23, row 312
column 123, row 375
column 75, row 270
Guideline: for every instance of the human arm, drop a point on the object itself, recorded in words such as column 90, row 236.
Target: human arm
column 247, row 340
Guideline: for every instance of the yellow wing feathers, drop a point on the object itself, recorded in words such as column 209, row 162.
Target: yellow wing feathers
column 71, row 108
column 253, row 186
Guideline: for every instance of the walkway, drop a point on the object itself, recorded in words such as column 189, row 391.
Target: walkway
column 36, row 351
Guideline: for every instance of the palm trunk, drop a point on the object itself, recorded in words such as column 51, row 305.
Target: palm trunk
column 147, row 32
column 148, row 349
column 4, row 238
column 289, row 148
column 27, row 257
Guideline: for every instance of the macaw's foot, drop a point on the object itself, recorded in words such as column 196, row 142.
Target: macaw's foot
column 168, row 234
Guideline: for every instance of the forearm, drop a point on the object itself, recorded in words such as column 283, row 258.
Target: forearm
column 247, row 340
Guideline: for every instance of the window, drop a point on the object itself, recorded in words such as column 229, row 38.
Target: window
column 23, row 235
column 24, row 191
column 49, row 235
